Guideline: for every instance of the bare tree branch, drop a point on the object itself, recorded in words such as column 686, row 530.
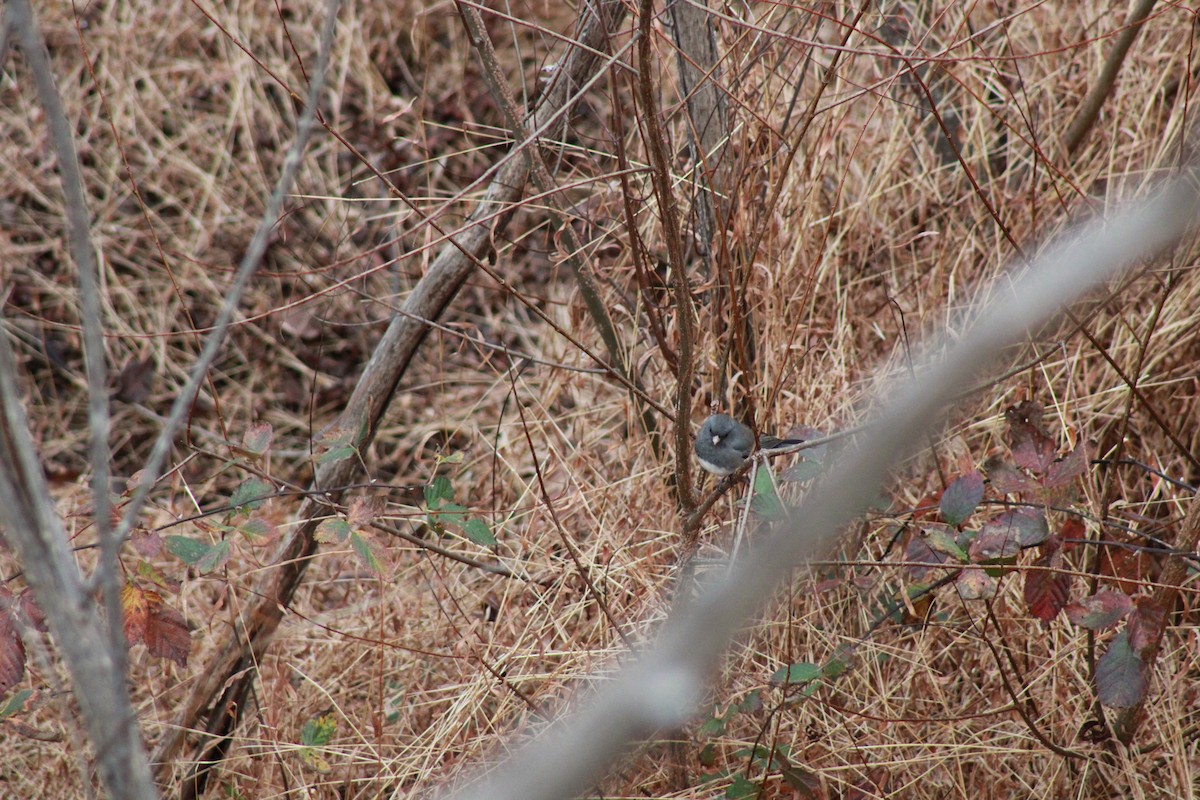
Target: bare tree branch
column 96, row 659
column 95, row 655
column 1089, row 109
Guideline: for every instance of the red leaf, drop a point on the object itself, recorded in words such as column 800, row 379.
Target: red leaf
column 1032, row 447
column 1045, row 591
column 1072, row 528
column 1102, row 610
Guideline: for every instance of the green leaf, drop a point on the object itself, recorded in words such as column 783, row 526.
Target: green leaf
column 480, row 532
column 318, row 731
column 802, row 471
column 334, row 530
column 315, row 761
column 215, row 558
column 751, row 702
column 765, row 501
column 438, row 491
column 366, row 553
column 1120, row 675
column 802, row 672
column 255, row 529
column 961, row 498
column 186, row 549
column 805, row 783
column 250, row 494
column 941, row 539
column 741, row 789
column 839, row 663
column 452, row 514
column 336, row 454
column 151, row 573
column 714, row 726
column 16, row 703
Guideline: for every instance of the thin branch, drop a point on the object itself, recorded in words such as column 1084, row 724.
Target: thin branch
column 668, row 211
column 540, row 174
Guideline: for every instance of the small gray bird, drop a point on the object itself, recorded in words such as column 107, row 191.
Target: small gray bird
column 723, row 444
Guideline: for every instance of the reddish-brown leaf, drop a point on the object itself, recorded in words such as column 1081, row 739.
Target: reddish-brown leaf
column 926, row 506
column 1102, row 610
column 167, row 636
column 1068, row 468
column 1007, row 479
column 12, row 654
column 1072, row 530
column 1004, row 536
column 918, row 551
column 257, row 438
column 1046, row 592
column 1145, row 626
column 135, row 379
column 147, row 543
column 1129, row 569
column 149, row 621
column 872, row 786
column 364, row 510
column 32, row 611
column 975, row 584
column 12, row 649
column 136, row 608
column 1032, row 447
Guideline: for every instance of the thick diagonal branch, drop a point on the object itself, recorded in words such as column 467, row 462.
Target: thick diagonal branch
column 226, row 679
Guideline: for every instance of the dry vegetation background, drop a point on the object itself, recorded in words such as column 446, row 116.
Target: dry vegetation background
column 846, row 241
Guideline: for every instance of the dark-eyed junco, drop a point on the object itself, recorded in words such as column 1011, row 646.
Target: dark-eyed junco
column 723, row 444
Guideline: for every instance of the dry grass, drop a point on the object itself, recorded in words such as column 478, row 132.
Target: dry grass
column 875, row 240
